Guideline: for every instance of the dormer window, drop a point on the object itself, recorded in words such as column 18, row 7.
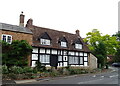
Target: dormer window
column 63, row 42
column 78, row 46
column 45, row 39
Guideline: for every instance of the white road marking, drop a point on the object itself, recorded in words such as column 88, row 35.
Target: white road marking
column 89, row 81
column 94, row 76
column 102, row 76
column 113, row 76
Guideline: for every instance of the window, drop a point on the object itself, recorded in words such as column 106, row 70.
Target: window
column 81, row 60
column 54, row 51
column 45, row 58
column 80, row 54
column 34, row 56
column 71, row 53
column 59, row 58
column 42, row 50
column 45, row 41
column 35, row 50
column 78, row 46
column 85, row 58
column 33, row 64
column 48, row 51
column 85, row 54
column 73, row 60
column 7, row 38
column 65, row 52
column 63, row 44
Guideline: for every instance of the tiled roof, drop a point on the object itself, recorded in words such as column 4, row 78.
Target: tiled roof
column 55, row 36
column 9, row 27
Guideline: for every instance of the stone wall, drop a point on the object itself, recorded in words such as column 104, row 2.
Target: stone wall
column 93, row 62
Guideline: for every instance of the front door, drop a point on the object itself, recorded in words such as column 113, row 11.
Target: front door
column 54, row 60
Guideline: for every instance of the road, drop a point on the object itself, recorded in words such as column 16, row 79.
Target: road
column 103, row 78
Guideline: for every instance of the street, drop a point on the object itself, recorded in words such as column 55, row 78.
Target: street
column 103, row 78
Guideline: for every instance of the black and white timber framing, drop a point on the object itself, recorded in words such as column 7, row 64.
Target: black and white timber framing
column 60, row 58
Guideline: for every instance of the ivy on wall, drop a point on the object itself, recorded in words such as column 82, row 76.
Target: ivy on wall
column 15, row 53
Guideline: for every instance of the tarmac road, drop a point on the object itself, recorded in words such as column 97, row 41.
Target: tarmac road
column 109, row 78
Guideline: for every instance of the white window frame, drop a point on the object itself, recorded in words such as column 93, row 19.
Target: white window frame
column 78, row 46
column 6, row 40
column 81, row 60
column 59, row 58
column 73, row 60
column 44, row 41
column 34, row 56
column 54, row 51
column 45, row 58
column 63, row 44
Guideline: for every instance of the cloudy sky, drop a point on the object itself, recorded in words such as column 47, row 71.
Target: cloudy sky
column 64, row 15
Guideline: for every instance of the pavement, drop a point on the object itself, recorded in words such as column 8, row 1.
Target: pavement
column 52, row 78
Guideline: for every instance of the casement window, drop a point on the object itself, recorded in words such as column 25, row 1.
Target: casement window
column 34, row 56
column 54, row 51
column 45, row 41
column 7, row 38
column 73, row 60
column 78, row 46
column 81, row 60
column 63, row 44
column 59, row 58
column 45, row 58
column 71, row 53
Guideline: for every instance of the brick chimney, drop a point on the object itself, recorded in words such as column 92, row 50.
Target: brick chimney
column 21, row 21
column 29, row 24
column 77, row 32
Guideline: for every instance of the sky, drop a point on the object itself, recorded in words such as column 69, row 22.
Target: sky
column 64, row 15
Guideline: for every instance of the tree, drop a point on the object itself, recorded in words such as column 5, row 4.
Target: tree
column 101, row 45
column 15, row 53
column 95, row 36
column 117, row 54
column 117, row 35
column 101, row 54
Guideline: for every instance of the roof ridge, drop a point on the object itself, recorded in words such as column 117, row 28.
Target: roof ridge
column 53, row 30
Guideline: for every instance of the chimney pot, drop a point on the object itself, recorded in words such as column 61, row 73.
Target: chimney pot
column 77, row 32
column 29, row 23
column 21, row 21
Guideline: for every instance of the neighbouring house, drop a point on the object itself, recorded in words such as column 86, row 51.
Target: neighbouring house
column 13, row 32
column 59, row 49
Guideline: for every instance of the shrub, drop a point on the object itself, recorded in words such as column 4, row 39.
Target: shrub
column 40, row 67
column 63, row 71
column 16, row 70
column 15, row 53
column 27, row 70
column 5, row 69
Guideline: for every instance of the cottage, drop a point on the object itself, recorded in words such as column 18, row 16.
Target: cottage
column 58, row 48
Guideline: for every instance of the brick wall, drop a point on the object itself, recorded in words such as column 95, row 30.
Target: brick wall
column 19, row 36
